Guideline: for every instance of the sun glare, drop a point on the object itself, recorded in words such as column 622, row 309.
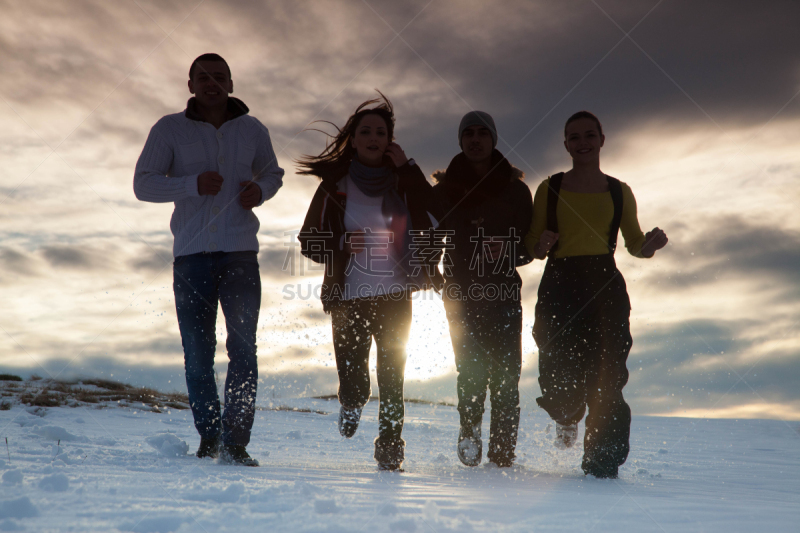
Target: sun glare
column 430, row 353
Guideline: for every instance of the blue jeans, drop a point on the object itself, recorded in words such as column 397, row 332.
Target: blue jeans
column 201, row 281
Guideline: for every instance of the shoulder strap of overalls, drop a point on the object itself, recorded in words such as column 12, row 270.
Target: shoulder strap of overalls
column 615, row 189
column 552, row 206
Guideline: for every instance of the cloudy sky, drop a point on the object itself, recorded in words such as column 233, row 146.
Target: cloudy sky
column 699, row 102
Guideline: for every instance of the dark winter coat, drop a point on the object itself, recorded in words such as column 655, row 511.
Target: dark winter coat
column 499, row 205
column 322, row 238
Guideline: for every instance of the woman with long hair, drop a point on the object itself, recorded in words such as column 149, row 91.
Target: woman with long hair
column 582, row 323
column 365, row 224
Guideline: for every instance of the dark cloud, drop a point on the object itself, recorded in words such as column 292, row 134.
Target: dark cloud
column 16, row 263
column 770, row 378
column 69, row 57
column 704, row 358
column 518, row 60
column 105, row 130
column 153, row 259
column 72, row 256
column 734, row 247
column 680, row 343
column 737, row 60
column 164, row 345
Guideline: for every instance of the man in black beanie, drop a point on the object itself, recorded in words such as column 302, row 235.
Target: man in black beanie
column 488, row 210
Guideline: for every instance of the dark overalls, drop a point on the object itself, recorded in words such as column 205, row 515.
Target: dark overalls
column 582, row 329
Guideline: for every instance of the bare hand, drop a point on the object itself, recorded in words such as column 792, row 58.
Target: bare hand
column 250, row 195
column 654, row 239
column 396, row 154
column 546, row 241
column 495, row 249
column 209, row 183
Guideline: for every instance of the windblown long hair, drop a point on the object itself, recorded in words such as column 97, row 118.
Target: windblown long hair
column 334, row 161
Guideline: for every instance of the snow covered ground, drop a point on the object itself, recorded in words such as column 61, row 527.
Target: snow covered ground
column 124, row 469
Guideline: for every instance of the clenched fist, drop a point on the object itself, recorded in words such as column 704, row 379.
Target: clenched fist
column 209, row 183
column 546, row 242
column 654, row 239
column 250, row 195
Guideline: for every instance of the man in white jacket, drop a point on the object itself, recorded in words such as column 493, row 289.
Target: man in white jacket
column 216, row 163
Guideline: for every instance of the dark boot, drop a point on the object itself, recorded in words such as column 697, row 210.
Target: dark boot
column 566, row 435
column 602, row 461
column 209, row 447
column 470, row 447
column 600, row 471
column 390, row 454
column 348, row 420
column 503, row 438
column 235, row 454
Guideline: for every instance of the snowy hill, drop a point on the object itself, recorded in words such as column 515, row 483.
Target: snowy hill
column 127, row 469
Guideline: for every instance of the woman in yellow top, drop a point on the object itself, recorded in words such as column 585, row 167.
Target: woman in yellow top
column 582, row 325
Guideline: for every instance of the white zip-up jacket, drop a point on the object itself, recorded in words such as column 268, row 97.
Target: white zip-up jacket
column 179, row 148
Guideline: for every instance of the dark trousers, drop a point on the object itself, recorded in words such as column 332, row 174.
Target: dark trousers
column 201, row 282
column 487, row 341
column 355, row 323
column 582, row 329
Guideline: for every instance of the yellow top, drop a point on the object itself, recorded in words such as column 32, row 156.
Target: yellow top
column 584, row 220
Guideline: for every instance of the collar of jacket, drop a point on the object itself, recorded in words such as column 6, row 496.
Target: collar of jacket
column 335, row 186
column 464, row 186
column 236, row 109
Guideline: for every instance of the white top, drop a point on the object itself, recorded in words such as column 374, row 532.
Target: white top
column 375, row 271
column 178, row 150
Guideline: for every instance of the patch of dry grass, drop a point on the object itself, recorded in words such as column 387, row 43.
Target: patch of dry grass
column 97, row 392
column 41, row 398
column 106, row 384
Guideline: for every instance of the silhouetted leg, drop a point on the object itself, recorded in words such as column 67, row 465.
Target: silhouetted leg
column 240, row 299
column 196, row 305
column 505, row 335
column 562, row 360
column 607, row 439
column 351, row 344
column 472, row 364
column 395, row 318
